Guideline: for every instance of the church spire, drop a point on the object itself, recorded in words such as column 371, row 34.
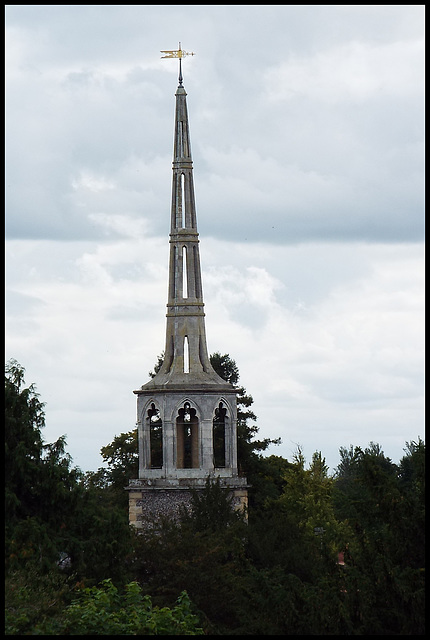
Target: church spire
column 186, row 414
column 186, row 360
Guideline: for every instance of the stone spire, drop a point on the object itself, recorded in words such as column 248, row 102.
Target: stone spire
column 187, row 414
column 186, row 360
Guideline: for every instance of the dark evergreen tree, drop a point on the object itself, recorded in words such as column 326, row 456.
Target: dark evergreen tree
column 384, row 559
column 41, row 487
column 55, row 515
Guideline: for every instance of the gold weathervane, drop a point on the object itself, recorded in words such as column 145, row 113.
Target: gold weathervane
column 178, row 53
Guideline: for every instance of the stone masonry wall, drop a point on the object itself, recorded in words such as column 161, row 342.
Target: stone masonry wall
column 147, row 505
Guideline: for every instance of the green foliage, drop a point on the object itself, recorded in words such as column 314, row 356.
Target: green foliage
column 53, row 510
column 121, row 453
column 41, row 488
column 40, row 608
column 103, row 610
column 205, row 560
column 276, row 575
column 372, row 511
column 24, row 419
column 384, row 506
column 225, row 367
column 101, row 542
column 122, row 458
column 308, row 495
column 32, row 597
column 211, row 509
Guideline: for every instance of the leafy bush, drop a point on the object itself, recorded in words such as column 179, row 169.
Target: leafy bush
column 104, row 611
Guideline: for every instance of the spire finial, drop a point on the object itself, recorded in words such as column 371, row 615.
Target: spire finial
column 178, row 53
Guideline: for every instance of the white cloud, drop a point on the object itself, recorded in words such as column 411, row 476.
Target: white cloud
column 307, row 137
column 352, row 72
column 343, row 367
column 350, row 353
column 92, row 182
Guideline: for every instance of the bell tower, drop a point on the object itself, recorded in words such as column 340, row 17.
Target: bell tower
column 186, row 414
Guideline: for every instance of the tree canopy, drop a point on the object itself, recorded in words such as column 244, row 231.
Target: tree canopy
column 320, row 554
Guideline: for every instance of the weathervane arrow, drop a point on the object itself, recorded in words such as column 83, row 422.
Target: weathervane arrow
column 178, row 53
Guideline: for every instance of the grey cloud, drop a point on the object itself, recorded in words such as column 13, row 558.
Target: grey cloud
column 309, row 187
column 326, row 170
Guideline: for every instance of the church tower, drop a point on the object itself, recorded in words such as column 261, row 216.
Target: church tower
column 186, row 414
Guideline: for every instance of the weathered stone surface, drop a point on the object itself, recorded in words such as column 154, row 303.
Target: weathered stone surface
column 186, row 394
column 151, row 504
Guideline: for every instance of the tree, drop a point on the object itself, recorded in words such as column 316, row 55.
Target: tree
column 106, row 610
column 41, row 486
column 32, row 597
column 24, row 419
column 122, row 458
column 54, row 511
column 411, row 479
column 307, row 495
column 384, row 580
column 211, row 509
column 202, row 552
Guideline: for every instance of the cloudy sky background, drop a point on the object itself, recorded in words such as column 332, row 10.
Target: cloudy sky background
column 307, row 138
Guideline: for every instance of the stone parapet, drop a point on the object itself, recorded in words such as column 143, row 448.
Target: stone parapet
column 185, row 483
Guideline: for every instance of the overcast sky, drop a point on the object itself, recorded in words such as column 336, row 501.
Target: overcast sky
column 307, row 137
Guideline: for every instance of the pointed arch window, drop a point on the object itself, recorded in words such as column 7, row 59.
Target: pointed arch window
column 187, row 438
column 182, row 199
column 155, row 437
column 219, row 422
column 184, row 273
column 186, row 355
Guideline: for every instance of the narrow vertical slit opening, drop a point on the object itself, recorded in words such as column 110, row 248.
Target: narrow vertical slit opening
column 174, row 261
column 186, row 355
column 197, row 273
column 182, row 200
column 184, row 273
column 179, row 140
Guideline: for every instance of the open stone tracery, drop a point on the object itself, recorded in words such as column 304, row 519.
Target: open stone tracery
column 187, row 414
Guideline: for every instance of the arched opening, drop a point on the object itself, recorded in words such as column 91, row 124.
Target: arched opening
column 182, row 200
column 219, row 436
column 155, row 437
column 184, row 273
column 186, row 355
column 187, row 438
